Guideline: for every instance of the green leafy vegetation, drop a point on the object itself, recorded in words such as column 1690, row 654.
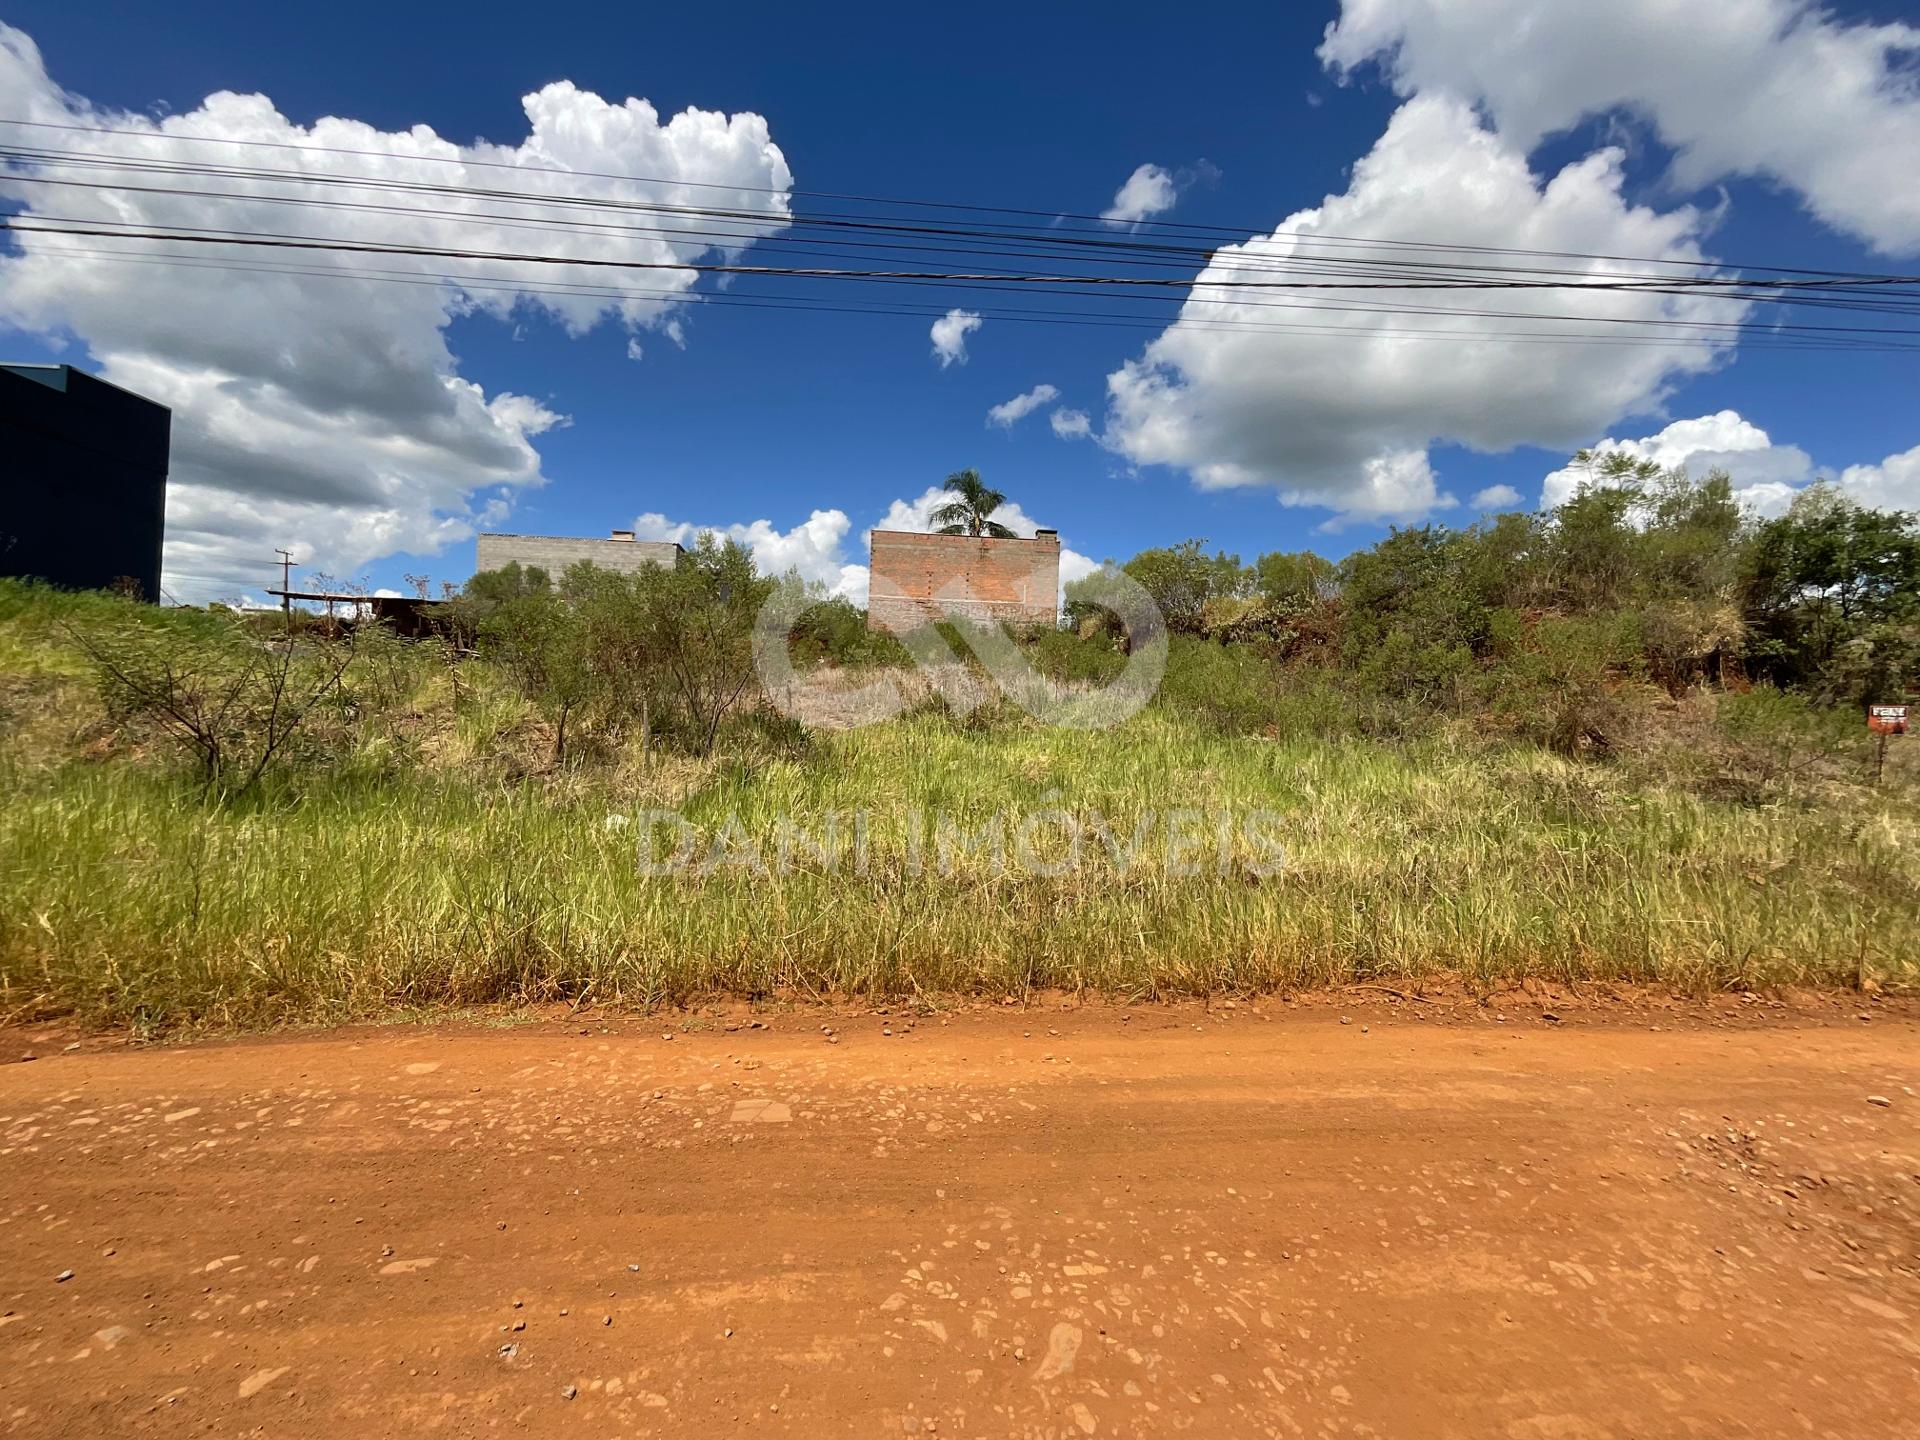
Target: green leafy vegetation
column 1619, row 741
column 970, row 511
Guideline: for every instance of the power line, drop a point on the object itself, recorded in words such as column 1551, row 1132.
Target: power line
column 1106, row 319
column 1236, row 275
column 1237, row 234
column 1296, row 262
column 1428, row 277
column 207, row 235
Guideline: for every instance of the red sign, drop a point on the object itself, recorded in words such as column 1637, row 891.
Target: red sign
column 1887, row 719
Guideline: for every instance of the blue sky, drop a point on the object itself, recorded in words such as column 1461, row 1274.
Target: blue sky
column 769, row 415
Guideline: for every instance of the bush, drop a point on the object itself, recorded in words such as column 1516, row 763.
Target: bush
column 668, row 647
column 1228, row 688
column 1073, row 658
column 543, row 643
column 235, row 704
column 1770, row 738
column 1569, row 683
column 834, row 630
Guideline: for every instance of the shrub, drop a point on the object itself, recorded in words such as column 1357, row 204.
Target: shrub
column 1229, row 689
column 1770, row 738
column 1073, row 658
column 1568, row 682
column 542, row 643
column 234, row 703
column 834, row 630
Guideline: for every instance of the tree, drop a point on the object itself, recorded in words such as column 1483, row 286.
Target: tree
column 1183, row 580
column 699, row 629
column 1638, row 533
column 485, row 593
column 541, row 642
column 615, row 610
column 1826, row 577
column 970, row 512
column 1415, row 621
column 1295, row 580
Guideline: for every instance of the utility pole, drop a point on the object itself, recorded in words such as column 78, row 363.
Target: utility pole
column 286, row 585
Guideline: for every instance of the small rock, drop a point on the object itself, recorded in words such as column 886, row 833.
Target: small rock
column 259, row 1380
column 606, row 1319
column 567, row 1392
column 63, row 1277
column 1882, row 1101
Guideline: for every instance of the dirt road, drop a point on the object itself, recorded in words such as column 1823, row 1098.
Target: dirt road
column 1256, row 1222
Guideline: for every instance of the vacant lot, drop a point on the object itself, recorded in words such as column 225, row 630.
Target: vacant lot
column 1432, row 1219
column 173, row 856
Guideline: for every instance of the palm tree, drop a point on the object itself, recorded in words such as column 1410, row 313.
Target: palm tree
column 970, row 511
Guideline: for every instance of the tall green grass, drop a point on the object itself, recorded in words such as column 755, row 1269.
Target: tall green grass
column 124, row 900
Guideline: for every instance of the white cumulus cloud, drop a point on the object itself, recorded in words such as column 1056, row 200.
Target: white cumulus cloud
column 1762, row 472
column 1778, row 89
column 1340, row 412
column 1153, row 190
column 1008, row 412
column 317, row 404
column 815, row 548
column 1893, row 484
column 1070, row 424
column 1765, row 476
column 1495, row 497
column 1148, row 191
column 950, row 334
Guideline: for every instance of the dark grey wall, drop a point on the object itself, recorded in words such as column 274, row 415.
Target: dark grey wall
column 83, row 479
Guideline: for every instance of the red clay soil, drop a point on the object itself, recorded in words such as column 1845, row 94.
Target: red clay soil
column 1259, row 1221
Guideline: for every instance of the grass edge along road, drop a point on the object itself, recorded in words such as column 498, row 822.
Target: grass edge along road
column 122, row 901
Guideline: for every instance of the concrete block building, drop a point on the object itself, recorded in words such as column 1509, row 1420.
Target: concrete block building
column 554, row 553
column 83, row 480
column 915, row 578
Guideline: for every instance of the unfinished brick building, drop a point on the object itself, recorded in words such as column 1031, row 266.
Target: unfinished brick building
column 554, row 553
column 914, row 578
